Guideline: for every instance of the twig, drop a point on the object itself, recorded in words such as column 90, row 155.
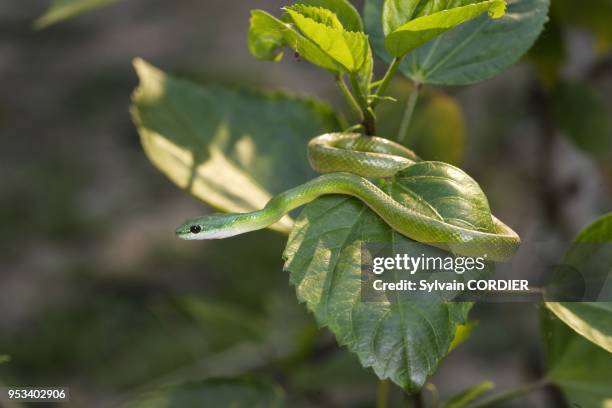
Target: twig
column 512, row 394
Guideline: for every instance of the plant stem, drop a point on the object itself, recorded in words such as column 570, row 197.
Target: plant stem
column 369, row 120
column 417, row 400
column 409, row 112
column 386, row 80
column 349, row 96
column 515, row 393
column 383, row 394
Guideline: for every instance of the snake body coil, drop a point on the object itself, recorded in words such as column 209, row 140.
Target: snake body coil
column 348, row 159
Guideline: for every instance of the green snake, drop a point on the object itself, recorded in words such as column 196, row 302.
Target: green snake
column 346, row 161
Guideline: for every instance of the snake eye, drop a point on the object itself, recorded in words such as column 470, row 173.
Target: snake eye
column 195, row 229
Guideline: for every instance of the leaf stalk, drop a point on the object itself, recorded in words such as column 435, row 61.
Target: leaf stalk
column 409, row 112
column 386, row 81
column 350, row 99
column 382, row 400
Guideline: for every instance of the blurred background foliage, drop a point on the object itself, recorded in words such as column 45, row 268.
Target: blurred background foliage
column 96, row 292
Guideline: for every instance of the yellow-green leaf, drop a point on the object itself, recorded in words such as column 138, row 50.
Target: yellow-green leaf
column 420, row 30
column 347, row 48
column 343, row 9
column 269, row 35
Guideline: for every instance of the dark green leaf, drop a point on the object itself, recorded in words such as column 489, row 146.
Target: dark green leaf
column 229, row 148
column 582, row 370
column 222, row 393
column 472, row 52
column 65, row 9
column 402, row 339
column 591, row 253
column 582, row 114
column 464, row 398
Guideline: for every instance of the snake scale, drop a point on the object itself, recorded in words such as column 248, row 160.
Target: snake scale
column 346, row 161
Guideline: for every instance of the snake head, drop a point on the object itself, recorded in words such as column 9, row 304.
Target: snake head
column 214, row 226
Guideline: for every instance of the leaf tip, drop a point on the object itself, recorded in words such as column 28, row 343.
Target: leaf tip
column 141, row 67
column 498, row 10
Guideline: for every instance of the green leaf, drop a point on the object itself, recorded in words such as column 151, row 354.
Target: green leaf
column 582, row 370
column 464, row 398
column 422, row 29
column 343, row 9
column 591, row 252
column 589, row 319
column 235, row 393
column 396, row 13
column 472, row 52
column 365, row 73
column 582, row 114
column 401, row 339
column 64, row 9
column 317, row 33
column 228, row 148
column 318, row 14
column 269, row 35
column 322, row 27
column 4, row 358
